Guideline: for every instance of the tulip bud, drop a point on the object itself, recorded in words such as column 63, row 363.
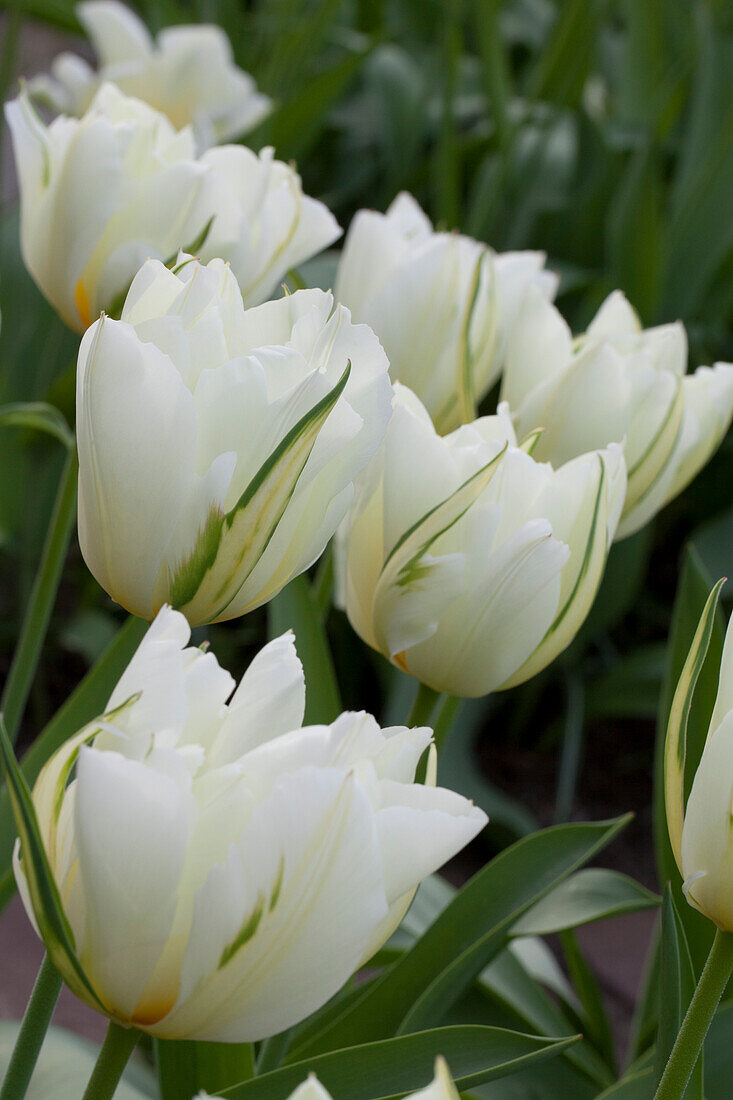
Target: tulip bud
column 617, row 383
column 222, row 870
column 102, row 194
column 700, row 833
column 218, row 445
column 187, row 72
column 466, row 562
column 442, row 304
column 440, row 1088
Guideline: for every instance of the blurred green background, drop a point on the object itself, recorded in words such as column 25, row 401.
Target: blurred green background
column 600, row 132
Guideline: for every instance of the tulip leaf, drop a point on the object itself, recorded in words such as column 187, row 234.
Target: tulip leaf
column 592, row 894
column 676, row 988
column 675, row 748
column 420, row 987
column 232, row 544
column 392, row 1068
column 52, row 922
column 40, row 416
column 88, row 700
column 294, row 609
column 637, row 1084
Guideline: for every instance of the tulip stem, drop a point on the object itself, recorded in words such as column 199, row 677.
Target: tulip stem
column 42, row 598
column 705, row 1000
column 118, row 1045
column 443, row 718
column 423, row 706
column 32, row 1032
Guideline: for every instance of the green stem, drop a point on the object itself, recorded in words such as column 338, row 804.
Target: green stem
column 423, row 706
column 42, row 599
column 572, row 749
column 272, row 1052
column 447, row 708
column 32, row 1032
column 705, row 1000
column 118, row 1045
column 322, row 587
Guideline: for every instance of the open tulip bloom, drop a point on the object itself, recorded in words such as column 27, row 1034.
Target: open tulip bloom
column 617, row 383
column 442, row 304
column 466, row 562
column 187, row 72
column 223, row 871
column 217, row 445
column 101, row 194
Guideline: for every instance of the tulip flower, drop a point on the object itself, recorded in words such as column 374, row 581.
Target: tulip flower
column 440, row 1088
column 187, row 73
column 101, row 194
column 222, row 870
column 617, row 383
column 466, row 562
column 442, row 305
column 218, row 446
column 700, row 833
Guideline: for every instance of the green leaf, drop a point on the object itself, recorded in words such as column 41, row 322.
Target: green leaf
column 676, row 988
column 589, row 895
column 635, row 1085
column 88, row 700
column 692, row 595
column 39, row 416
column 471, row 931
column 596, row 1025
column 59, row 13
column 390, row 1069
column 719, row 1054
column 52, row 922
column 564, row 63
column 231, row 545
column 294, row 609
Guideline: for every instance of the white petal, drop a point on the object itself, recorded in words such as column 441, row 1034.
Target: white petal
column 132, row 826
column 282, row 925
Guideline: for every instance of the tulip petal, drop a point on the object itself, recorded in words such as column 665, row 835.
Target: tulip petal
column 132, row 827
column 134, row 416
column 269, row 701
column 280, row 927
column 116, row 33
column 238, row 539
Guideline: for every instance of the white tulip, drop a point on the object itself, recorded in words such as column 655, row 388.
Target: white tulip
column 617, row 383
column 187, row 72
column 263, row 225
column 101, row 194
column 466, row 562
column 217, row 445
column 700, row 833
column 443, row 305
column 440, row 1088
column 223, row 870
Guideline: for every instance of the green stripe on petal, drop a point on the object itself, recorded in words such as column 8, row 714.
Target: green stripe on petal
column 225, row 555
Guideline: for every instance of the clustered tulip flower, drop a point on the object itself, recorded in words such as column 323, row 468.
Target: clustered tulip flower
column 454, row 542
column 223, row 869
column 617, row 382
column 102, row 194
column 218, row 446
column 187, row 72
column 442, row 304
